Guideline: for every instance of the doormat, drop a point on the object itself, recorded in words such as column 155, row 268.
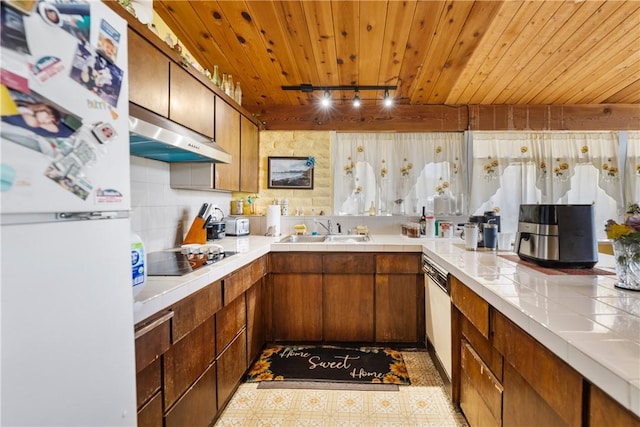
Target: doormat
column 559, row 271
column 330, row 364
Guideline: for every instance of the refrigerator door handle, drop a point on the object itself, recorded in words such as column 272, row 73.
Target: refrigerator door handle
column 87, row 215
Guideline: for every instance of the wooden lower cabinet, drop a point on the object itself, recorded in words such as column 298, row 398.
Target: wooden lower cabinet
column 395, row 308
column 348, row 285
column 186, row 360
column 297, row 307
column 231, row 364
column 256, row 318
column 197, row 407
column 348, row 307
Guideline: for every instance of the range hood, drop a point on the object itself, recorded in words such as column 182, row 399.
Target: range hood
column 157, row 138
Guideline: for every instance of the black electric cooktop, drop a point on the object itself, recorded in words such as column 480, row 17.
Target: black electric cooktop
column 179, row 264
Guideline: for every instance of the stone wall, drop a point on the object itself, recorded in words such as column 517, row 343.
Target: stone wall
column 296, row 144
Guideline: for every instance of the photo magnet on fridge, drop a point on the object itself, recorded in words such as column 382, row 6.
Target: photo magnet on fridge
column 12, row 32
column 97, row 74
column 108, row 42
column 73, row 16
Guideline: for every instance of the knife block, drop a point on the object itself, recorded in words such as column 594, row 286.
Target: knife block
column 197, row 233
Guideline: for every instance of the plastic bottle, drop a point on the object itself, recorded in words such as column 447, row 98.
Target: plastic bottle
column 285, row 207
column 138, row 264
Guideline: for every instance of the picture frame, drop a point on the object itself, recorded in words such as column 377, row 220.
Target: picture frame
column 290, row 172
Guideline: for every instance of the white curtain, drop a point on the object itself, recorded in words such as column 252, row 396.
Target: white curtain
column 512, row 168
column 397, row 172
column 632, row 169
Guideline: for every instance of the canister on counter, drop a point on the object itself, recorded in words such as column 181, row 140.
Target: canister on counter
column 446, row 229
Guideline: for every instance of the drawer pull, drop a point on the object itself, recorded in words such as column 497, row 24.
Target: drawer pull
column 159, row 321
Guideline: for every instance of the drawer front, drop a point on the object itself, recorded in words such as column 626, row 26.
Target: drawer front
column 186, row 361
column 229, row 321
column 398, row 263
column 198, row 405
column 153, row 338
column 296, row 262
column 347, row 263
column 471, row 306
column 148, row 382
column 193, row 310
column 481, row 392
column 236, row 284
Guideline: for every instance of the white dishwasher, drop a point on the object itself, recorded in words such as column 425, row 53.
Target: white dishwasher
column 438, row 311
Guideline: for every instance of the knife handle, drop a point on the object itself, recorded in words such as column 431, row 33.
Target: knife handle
column 202, row 210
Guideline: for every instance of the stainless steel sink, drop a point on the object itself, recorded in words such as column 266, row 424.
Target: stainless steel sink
column 346, row 238
column 332, row 238
column 302, row 239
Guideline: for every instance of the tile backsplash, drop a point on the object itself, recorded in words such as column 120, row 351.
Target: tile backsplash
column 160, row 214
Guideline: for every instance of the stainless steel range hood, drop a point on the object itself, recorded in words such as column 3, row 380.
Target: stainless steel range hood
column 157, row 138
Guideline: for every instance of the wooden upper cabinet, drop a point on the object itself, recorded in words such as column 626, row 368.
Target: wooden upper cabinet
column 227, row 135
column 191, row 103
column 249, row 155
column 148, row 75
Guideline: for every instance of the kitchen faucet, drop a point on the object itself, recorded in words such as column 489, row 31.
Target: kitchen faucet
column 327, row 227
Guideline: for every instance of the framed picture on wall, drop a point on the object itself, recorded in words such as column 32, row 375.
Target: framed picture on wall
column 290, row 172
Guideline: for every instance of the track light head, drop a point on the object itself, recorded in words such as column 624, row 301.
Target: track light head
column 388, row 102
column 356, row 99
column 326, row 98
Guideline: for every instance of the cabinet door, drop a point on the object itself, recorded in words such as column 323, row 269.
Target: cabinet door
column 603, row 411
column 148, row 75
column 229, row 321
column 297, row 307
column 195, row 309
column 396, row 311
column 186, row 360
column 198, row 405
column 150, row 415
column 256, row 330
column 249, row 156
column 227, row 135
column 348, row 307
column 231, row 367
column 192, row 103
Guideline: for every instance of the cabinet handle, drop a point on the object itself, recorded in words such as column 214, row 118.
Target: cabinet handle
column 159, row 321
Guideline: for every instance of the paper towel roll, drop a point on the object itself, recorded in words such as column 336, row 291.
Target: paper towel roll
column 273, row 220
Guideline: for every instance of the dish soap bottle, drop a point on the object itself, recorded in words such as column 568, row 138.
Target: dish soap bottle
column 372, row 209
column 138, row 264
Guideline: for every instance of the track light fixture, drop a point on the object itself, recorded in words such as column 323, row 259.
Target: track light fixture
column 326, row 98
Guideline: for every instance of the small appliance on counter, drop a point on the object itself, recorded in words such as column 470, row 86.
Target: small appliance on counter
column 237, row 226
column 489, row 217
column 216, row 230
column 557, row 235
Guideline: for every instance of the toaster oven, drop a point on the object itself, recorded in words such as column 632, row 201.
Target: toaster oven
column 237, row 226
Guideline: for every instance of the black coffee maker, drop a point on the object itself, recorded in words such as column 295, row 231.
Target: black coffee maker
column 489, row 217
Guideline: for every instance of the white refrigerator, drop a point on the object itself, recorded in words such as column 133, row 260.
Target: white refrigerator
column 66, row 308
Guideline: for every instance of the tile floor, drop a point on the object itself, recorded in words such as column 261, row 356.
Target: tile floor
column 424, row 403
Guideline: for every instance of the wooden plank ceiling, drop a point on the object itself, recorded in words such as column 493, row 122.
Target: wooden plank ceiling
column 436, row 52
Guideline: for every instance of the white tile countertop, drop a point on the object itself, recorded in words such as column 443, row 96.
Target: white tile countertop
column 583, row 319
